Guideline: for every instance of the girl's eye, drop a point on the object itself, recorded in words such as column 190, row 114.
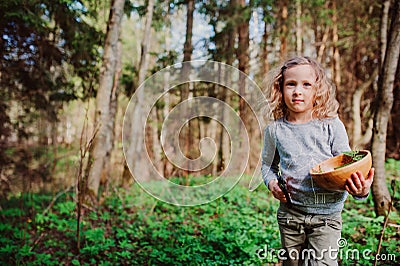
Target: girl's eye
column 290, row 84
column 307, row 85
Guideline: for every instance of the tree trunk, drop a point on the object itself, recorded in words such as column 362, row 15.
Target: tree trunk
column 299, row 34
column 337, row 73
column 144, row 62
column 393, row 137
column 103, row 141
column 246, row 116
column 324, row 41
column 136, row 145
column 380, row 191
column 264, row 49
column 185, row 88
column 54, row 144
column 113, row 113
column 284, row 29
column 214, row 127
column 187, row 47
column 164, row 167
column 243, row 55
column 359, row 138
column 384, row 28
column 226, row 95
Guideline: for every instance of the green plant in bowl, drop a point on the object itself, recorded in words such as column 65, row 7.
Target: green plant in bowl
column 354, row 156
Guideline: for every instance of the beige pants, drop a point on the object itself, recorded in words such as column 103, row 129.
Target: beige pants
column 309, row 239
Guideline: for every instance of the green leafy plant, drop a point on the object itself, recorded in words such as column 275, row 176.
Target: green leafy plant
column 133, row 228
column 352, row 157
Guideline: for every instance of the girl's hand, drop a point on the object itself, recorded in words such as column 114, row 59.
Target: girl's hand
column 357, row 185
column 276, row 190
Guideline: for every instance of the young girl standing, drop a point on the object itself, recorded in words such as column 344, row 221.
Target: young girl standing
column 306, row 131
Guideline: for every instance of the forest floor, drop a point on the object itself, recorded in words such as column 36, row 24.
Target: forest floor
column 132, row 228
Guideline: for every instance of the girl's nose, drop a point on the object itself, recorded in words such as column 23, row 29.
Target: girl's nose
column 297, row 90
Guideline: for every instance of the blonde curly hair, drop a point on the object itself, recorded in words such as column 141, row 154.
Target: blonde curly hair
column 325, row 103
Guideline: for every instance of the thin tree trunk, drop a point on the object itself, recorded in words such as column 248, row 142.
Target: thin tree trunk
column 359, row 138
column 136, row 145
column 254, row 47
column 264, row 49
column 243, row 57
column 299, row 34
column 322, row 47
column 54, row 144
column 187, row 47
column 394, row 125
column 165, row 166
column 42, row 124
column 219, row 160
column 144, row 62
column 185, row 88
column 284, row 29
column 215, row 136
column 336, row 56
column 226, row 95
column 102, row 144
column 158, row 163
column 384, row 28
column 380, row 190
column 113, row 114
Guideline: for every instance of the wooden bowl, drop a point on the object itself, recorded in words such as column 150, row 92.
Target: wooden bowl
column 325, row 175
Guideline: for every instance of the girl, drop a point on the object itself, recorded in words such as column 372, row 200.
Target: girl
column 306, row 131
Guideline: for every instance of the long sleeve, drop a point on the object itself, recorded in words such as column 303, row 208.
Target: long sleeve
column 270, row 157
column 292, row 149
column 339, row 141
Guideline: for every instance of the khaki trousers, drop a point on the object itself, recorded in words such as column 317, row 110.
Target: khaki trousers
column 309, row 239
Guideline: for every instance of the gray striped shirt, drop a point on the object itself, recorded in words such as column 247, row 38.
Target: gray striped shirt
column 293, row 149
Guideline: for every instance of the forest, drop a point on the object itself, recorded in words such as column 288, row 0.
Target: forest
column 131, row 131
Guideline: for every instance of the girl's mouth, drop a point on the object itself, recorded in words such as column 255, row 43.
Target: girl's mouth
column 297, row 101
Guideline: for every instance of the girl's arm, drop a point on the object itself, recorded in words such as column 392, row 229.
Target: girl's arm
column 270, row 157
column 270, row 164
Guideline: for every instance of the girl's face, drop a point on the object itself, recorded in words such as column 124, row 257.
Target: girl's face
column 299, row 92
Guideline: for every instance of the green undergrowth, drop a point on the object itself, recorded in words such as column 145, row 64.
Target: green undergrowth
column 132, row 228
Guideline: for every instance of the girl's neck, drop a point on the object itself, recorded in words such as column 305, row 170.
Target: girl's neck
column 299, row 118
